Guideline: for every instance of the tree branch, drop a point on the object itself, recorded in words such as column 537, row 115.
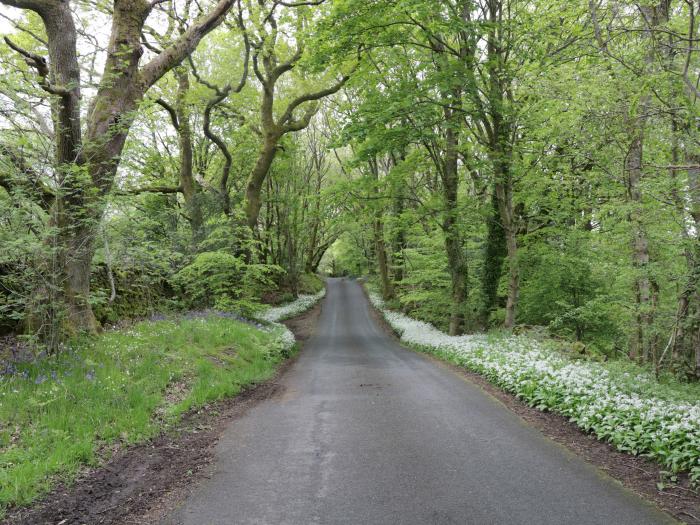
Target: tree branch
column 171, row 111
column 38, row 6
column 174, row 54
column 42, row 68
column 310, row 97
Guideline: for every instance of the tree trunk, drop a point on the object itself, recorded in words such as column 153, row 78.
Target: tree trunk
column 85, row 170
column 692, row 291
column 494, row 253
column 316, row 221
column 190, row 187
column 399, row 237
column 638, row 346
column 379, row 242
column 78, row 261
column 253, row 200
column 642, row 343
column 69, row 272
column 504, row 194
column 382, row 259
column 453, row 239
column 501, row 152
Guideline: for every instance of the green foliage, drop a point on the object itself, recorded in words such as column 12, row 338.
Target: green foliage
column 223, row 281
column 310, row 284
column 560, row 289
column 209, row 278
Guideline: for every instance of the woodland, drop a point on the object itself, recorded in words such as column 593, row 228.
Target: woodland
column 490, row 166
column 495, row 164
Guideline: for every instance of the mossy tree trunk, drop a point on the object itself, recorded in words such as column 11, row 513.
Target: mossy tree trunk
column 86, row 167
column 494, row 254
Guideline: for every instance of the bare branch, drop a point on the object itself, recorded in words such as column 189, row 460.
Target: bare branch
column 41, row 67
column 174, row 54
column 171, row 111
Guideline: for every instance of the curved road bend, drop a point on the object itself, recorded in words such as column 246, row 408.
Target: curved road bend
column 366, row 432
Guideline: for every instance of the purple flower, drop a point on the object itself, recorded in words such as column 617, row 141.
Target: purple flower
column 9, row 370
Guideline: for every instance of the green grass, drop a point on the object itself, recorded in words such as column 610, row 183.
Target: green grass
column 124, row 386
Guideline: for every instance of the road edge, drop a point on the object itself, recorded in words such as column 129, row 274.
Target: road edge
column 637, row 474
column 165, row 468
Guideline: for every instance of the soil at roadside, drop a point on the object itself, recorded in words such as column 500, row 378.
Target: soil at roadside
column 645, row 477
column 140, row 483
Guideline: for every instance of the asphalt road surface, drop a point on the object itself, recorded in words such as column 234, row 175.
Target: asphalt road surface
column 366, row 432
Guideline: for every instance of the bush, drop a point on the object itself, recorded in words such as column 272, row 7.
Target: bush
column 225, row 282
column 310, row 283
column 211, row 278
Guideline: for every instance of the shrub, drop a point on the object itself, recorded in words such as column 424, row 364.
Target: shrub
column 210, row 278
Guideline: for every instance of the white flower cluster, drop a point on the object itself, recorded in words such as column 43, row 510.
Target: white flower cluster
column 294, row 308
column 285, row 339
column 274, row 315
column 620, row 412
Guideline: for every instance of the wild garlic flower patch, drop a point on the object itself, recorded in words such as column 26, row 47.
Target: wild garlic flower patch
column 274, row 315
column 614, row 410
column 294, row 308
column 284, row 341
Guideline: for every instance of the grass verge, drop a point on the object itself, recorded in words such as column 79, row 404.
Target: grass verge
column 122, row 387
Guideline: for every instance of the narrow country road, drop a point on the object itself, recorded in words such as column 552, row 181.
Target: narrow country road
column 366, row 432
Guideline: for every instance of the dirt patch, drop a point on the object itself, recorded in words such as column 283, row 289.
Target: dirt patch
column 646, row 478
column 139, row 484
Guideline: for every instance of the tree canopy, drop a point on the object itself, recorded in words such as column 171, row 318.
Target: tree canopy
column 493, row 164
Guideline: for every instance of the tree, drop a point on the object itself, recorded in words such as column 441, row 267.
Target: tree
column 85, row 167
column 272, row 62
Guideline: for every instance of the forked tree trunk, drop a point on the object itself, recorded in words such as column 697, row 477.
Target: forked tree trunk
column 253, row 200
column 86, row 169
